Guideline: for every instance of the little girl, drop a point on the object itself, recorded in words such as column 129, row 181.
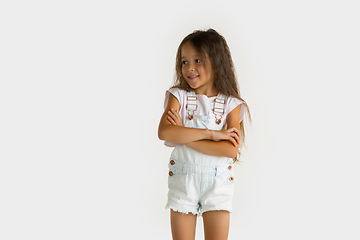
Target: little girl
column 203, row 121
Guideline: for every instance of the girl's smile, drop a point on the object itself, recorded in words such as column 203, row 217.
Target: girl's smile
column 197, row 70
column 192, row 77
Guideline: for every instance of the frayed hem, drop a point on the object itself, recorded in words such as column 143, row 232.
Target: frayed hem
column 215, row 209
column 183, row 212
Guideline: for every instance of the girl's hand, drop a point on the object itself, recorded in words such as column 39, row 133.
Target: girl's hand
column 232, row 135
column 174, row 117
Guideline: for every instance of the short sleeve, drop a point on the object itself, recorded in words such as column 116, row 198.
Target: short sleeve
column 179, row 95
column 232, row 103
column 174, row 91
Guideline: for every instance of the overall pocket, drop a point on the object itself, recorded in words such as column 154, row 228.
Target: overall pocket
column 177, row 180
column 226, row 174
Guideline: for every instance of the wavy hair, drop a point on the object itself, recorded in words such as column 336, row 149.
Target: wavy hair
column 210, row 42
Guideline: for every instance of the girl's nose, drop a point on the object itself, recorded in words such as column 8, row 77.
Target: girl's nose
column 191, row 67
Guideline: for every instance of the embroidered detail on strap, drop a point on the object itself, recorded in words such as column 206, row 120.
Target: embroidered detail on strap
column 191, row 105
column 218, row 109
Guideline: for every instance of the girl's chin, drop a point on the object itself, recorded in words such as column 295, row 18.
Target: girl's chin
column 192, row 86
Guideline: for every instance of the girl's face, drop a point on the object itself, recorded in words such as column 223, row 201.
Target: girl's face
column 197, row 70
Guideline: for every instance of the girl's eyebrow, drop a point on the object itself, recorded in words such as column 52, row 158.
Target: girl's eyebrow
column 182, row 57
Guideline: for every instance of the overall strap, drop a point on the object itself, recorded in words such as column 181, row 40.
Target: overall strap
column 218, row 109
column 191, row 105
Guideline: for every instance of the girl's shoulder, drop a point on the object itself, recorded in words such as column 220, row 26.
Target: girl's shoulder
column 230, row 100
column 231, row 103
column 178, row 93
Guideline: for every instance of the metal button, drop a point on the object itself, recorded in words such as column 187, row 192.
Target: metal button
column 231, row 179
column 171, row 173
column 230, row 167
column 172, row 162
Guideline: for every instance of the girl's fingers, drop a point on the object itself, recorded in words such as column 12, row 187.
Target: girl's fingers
column 233, row 129
column 174, row 117
column 171, row 114
column 176, row 112
column 232, row 140
column 236, row 131
column 236, row 137
column 171, row 121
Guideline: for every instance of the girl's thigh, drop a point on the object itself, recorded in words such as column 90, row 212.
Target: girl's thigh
column 216, row 225
column 183, row 226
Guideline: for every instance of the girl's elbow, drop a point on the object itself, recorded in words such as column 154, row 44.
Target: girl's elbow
column 233, row 152
column 161, row 135
column 231, row 155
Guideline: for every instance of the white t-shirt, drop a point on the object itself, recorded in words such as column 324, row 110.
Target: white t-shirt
column 205, row 105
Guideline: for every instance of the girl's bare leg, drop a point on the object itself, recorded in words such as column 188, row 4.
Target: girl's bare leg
column 216, row 225
column 183, row 226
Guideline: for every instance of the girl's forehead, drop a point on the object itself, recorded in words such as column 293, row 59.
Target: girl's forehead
column 188, row 50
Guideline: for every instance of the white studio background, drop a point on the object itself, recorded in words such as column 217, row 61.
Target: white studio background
column 82, row 90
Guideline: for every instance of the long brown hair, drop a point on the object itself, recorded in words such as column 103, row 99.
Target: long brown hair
column 214, row 45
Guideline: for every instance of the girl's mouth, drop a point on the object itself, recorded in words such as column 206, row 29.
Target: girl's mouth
column 193, row 77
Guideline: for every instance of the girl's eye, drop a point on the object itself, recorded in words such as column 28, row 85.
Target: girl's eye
column 184, row 62
column 197, row 60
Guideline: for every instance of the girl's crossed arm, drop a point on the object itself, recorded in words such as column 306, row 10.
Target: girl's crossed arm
column 203, row 140
column 221, row 148
column 176, row 133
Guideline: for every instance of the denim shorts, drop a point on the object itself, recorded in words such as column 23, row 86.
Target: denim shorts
column 197, row 188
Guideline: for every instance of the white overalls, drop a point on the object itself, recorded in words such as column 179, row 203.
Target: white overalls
column 199, row 182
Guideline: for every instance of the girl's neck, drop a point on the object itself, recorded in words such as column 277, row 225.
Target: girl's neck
column 208, row 92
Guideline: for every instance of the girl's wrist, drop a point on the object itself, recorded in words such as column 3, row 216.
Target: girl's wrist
column 210, row 134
